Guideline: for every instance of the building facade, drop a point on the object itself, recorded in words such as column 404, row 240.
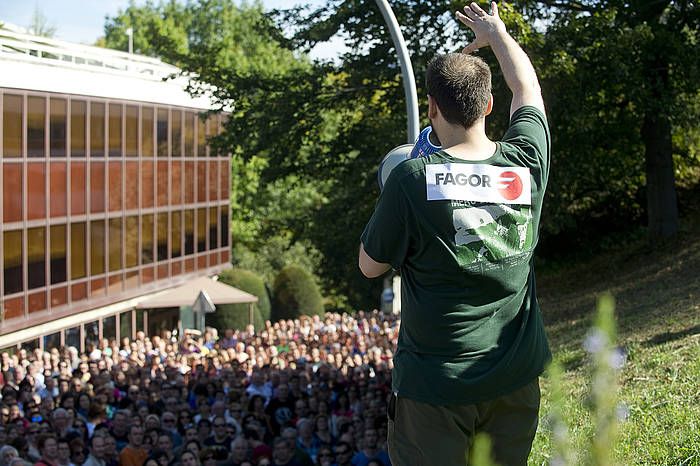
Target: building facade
column 110, row 191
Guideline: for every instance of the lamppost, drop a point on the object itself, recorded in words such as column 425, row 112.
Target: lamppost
column 391, row 297
column 409, row 82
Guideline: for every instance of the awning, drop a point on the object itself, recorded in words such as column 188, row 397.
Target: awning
column 186, row 294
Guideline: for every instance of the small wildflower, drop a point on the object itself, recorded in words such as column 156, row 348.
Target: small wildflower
column 595, row 341
column 622, row 412
column 618, row 358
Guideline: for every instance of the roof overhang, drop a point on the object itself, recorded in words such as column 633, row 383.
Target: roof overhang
column 186, row 294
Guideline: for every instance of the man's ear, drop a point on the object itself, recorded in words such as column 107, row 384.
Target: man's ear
column 432, row 107
column 489, row 105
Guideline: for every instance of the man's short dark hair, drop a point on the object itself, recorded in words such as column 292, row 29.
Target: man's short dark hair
column 460, row 85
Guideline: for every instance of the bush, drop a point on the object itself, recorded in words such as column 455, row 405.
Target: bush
column 236, row 315
column 295, row 293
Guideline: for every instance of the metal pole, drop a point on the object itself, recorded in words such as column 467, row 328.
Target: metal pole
column 409, row 82
column 130, row 33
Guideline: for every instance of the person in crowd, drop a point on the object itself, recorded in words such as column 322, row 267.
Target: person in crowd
column 370, row 450
column 97, row 452
column 63, row 453
column 48, row 449
column 134, row 453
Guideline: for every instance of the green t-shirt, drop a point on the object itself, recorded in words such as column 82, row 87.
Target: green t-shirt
column 462, row 233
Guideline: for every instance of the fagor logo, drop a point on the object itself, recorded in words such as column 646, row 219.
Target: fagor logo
column 511, row 186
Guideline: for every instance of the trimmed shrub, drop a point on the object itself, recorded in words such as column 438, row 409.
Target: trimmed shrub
column 236, row 315
column 295, row 293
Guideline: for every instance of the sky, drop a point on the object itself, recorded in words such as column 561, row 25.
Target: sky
column 82, row 21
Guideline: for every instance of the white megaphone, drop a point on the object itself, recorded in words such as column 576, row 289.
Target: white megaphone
column 425, row 145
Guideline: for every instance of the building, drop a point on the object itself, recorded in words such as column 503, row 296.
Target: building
column 109, row 192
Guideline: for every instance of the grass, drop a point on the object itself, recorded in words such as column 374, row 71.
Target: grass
column 657, row 294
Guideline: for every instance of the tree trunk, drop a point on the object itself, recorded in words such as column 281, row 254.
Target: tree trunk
column 662, row 206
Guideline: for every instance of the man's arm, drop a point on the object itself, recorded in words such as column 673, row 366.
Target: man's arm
column 369, row 267
column 515, row 64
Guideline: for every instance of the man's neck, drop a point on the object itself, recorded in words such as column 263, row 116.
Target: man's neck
column 469, row 144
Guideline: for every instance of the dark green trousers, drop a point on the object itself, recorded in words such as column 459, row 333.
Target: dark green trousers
column 422, row 434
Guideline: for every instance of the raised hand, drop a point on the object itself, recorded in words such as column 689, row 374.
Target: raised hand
column 484, row 25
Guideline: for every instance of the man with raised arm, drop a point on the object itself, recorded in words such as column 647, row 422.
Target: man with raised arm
column 461, row 225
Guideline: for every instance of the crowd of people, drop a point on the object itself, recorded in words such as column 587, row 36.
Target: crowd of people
column 312, row 391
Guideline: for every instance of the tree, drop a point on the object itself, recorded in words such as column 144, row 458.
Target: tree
column 635, row 56
column 40, row 25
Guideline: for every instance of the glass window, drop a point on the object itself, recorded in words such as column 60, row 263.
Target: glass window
column 36, row 126
column 213, row 227
column 115, row 186
column 97, row 187
column 57, row 189
column 162, row 236
column 176, row 234
column 12, row 106
column 176, row 132
column 115, row 130
column 190, row 121
column 78, row 191
column 147, row 239
column 213, row 181
column 224, row 186
column 97, row 247
column 109, row 328
column 36, row 301
column 58, row 254
column 78, row 126
column 201, row 181
column 147, row 132
column 13, row 308
column 52, row 341
column 189, row 182
column 176, row 183
column 139, row 320
column 201, row 230
column 132, row 131
column 12, row 192
column 224, row 226
column 131, row 233
column 131, row 196
column 212, row 131
column 115, row 244
column 97, row 129
column 147, row 184
column 36, row 191
column 30, row 345
column 92, row 335
column 57, row 127
column 73, row 337
column 59, row 296
column 162, row 175
column 162, row 132
column 201, row 135
column 12, row 261
column 36, row 257
column 125, row 325
column 189, row 232
column 78, row 255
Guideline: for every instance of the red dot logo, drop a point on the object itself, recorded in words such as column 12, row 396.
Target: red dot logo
column 511, row 185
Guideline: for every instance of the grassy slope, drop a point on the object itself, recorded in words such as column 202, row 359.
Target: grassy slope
column 658, row 310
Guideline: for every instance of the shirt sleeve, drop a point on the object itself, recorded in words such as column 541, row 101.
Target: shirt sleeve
column 529, row 132
column 385, row 237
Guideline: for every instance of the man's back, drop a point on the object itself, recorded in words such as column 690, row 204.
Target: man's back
column 470, row 320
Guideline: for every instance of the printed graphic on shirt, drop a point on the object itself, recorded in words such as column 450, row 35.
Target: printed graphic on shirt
column 478, row 183
column 492, row 232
